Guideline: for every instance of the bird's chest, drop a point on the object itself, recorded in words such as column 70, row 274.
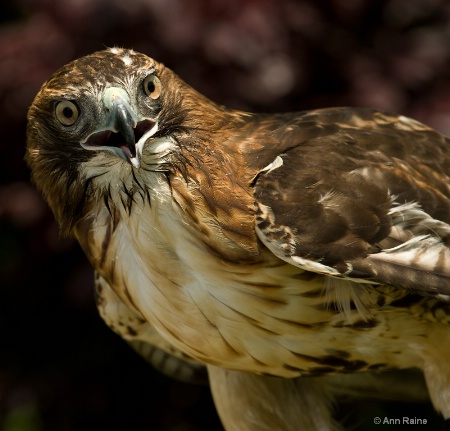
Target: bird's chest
column 268, row 316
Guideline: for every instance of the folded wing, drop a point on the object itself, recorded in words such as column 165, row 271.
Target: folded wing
column 360, row 195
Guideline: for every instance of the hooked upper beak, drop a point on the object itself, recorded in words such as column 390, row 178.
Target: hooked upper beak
column 122, row 132
column 123, row 121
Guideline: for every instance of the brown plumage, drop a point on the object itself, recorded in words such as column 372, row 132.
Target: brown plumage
column 311, row 246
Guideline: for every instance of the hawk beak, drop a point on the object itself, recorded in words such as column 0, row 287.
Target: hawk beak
column 123, row 121
column 122, row 133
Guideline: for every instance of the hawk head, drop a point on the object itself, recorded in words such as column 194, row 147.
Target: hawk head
column 98, row 112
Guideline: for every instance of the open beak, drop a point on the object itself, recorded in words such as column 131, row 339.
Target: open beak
column 123, row 120
column 123, row 133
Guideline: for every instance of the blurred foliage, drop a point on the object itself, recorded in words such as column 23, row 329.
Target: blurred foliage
column 22, row 418
column 60, row 367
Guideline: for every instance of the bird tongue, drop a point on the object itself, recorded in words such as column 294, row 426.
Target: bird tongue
column 117, row 140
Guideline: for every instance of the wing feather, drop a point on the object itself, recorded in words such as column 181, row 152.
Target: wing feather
column 368, row 199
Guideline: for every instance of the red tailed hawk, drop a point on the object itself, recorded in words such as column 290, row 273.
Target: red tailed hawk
column 300, row 256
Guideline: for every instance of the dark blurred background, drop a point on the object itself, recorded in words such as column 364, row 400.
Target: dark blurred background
column 60, row 367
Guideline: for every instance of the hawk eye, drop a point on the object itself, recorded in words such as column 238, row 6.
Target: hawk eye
column 67, row 112
column 152, row 86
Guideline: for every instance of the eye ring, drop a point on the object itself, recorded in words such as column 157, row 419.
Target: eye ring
column 67, row 112
column 152, row 86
